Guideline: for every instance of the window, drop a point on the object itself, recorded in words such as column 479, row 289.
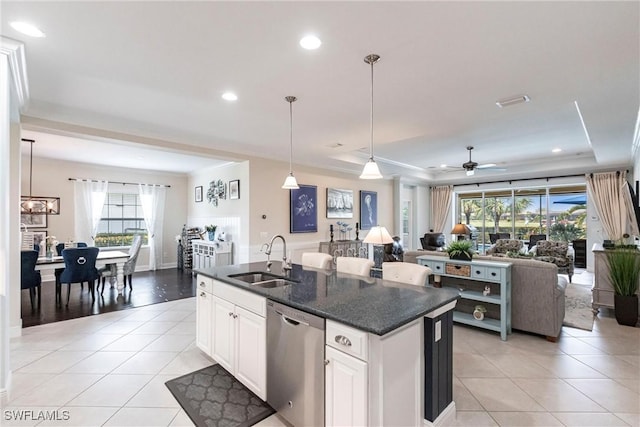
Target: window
column 121, row 219
column 557, row 212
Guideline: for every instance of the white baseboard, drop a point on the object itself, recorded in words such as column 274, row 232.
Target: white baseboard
column 446, row 417
column 15, row 331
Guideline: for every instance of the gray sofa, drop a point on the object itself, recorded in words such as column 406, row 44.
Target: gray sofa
column 537, row 293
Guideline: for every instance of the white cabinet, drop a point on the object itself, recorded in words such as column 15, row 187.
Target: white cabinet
column 346, row 389
column 250, row 351
column 223, row 333
column 204, row 306
column 373, row 380
column 207, row 254
column 239, row 342
column 231, row 328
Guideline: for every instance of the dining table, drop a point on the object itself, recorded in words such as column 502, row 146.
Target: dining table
column 104, row 257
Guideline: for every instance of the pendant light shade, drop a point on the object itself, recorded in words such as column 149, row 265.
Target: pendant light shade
column 371, row 170
column 290, row 182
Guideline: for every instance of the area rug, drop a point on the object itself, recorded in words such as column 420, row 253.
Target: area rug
column 578, row 310
column 213, row 397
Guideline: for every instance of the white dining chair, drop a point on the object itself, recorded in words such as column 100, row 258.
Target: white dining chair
column 317, row 260
column 406, row 272
column 353, row 265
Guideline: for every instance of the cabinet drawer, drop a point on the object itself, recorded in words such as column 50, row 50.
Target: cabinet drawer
column 478, row 272
column 436, row 266
column 494, row 274
column 240, row 297
column 205, row 283
column 347, row 339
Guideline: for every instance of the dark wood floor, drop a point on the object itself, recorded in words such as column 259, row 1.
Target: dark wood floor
column 149, row 287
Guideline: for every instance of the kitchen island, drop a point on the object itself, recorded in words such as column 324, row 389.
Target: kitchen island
column 388, row 345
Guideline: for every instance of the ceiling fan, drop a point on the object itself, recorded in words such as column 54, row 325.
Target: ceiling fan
column 471, row 166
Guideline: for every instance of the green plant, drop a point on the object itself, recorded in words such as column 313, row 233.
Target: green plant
column 459, row 247
column 624, row 270
column 211, row 227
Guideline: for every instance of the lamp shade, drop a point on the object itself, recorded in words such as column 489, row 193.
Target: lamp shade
column 378, row 235
column 460, row 229
column 371, row 170
column 290, row 183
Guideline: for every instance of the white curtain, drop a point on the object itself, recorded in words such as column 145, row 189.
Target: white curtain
column 152, row 199
column 440, row 205
column 89, row 200
column 607, row 190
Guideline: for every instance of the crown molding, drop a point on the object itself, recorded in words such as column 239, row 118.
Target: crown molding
column 14, row 51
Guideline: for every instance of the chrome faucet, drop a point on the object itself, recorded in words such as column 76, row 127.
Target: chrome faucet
column 286, row 263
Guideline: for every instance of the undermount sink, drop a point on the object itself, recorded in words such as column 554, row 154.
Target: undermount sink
column 263, row 279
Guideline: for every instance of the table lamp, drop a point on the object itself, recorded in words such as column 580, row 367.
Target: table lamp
column 460, row 230
column 378, row 235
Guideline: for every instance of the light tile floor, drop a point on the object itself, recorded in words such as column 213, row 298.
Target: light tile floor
column 110, row 369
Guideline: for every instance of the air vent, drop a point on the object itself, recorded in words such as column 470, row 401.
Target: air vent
column 512, row 101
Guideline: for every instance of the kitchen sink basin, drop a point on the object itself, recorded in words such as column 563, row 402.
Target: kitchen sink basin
column 274, row 283
column 263, row 279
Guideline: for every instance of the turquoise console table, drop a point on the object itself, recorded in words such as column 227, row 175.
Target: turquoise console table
column 475, row 274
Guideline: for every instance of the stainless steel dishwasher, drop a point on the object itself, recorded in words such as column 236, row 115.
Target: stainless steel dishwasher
column 295, row 364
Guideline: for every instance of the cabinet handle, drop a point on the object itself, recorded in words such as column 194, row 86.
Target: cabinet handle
column 202, row 294
column 493, row 274
column 230, row 314
column 477, row 272
column 457, row 267
column 438, row 268
column 342, row 340
column 202, row 284
column 235, row 316
column 326, row 362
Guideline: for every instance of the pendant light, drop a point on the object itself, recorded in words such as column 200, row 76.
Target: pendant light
column 290, row 182
column 371, row 170
column 37, row 205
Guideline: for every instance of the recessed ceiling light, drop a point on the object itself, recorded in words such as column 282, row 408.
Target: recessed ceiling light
column 556, row 150
column 229, row 96
column 27, row 29
column 512, row 101
column 443, row 165
column 310, row 42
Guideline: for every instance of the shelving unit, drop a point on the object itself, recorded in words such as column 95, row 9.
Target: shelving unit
column 488, row 272
column 188, row 235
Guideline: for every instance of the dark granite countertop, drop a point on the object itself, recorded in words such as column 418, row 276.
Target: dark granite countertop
column 368, row 304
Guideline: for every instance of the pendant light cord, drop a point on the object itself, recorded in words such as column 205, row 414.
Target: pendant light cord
column 290, row 137
column 371, row 121
column 30, row 167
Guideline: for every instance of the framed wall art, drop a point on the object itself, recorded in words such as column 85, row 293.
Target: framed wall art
column 234, row 189
column 304, row 209
column 199, row 194
column 339, row 203
column 34, row 221
column 368, row 209
column 38, row 239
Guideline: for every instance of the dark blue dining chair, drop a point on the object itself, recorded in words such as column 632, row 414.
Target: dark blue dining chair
column 80, row 266
column 30, row 277
column 58, row 271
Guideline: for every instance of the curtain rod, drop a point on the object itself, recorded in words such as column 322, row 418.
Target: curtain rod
column 519, row 179
column 119, row 182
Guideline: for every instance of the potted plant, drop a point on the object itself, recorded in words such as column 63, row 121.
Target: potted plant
column 624, row 274
column 211, row 229
column 460, row 249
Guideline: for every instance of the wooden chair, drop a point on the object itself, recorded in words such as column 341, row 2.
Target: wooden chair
column 405, row 272
column 353, row 265
column 317, row 260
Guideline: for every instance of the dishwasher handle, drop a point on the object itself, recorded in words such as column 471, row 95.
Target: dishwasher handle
column 289, row 320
